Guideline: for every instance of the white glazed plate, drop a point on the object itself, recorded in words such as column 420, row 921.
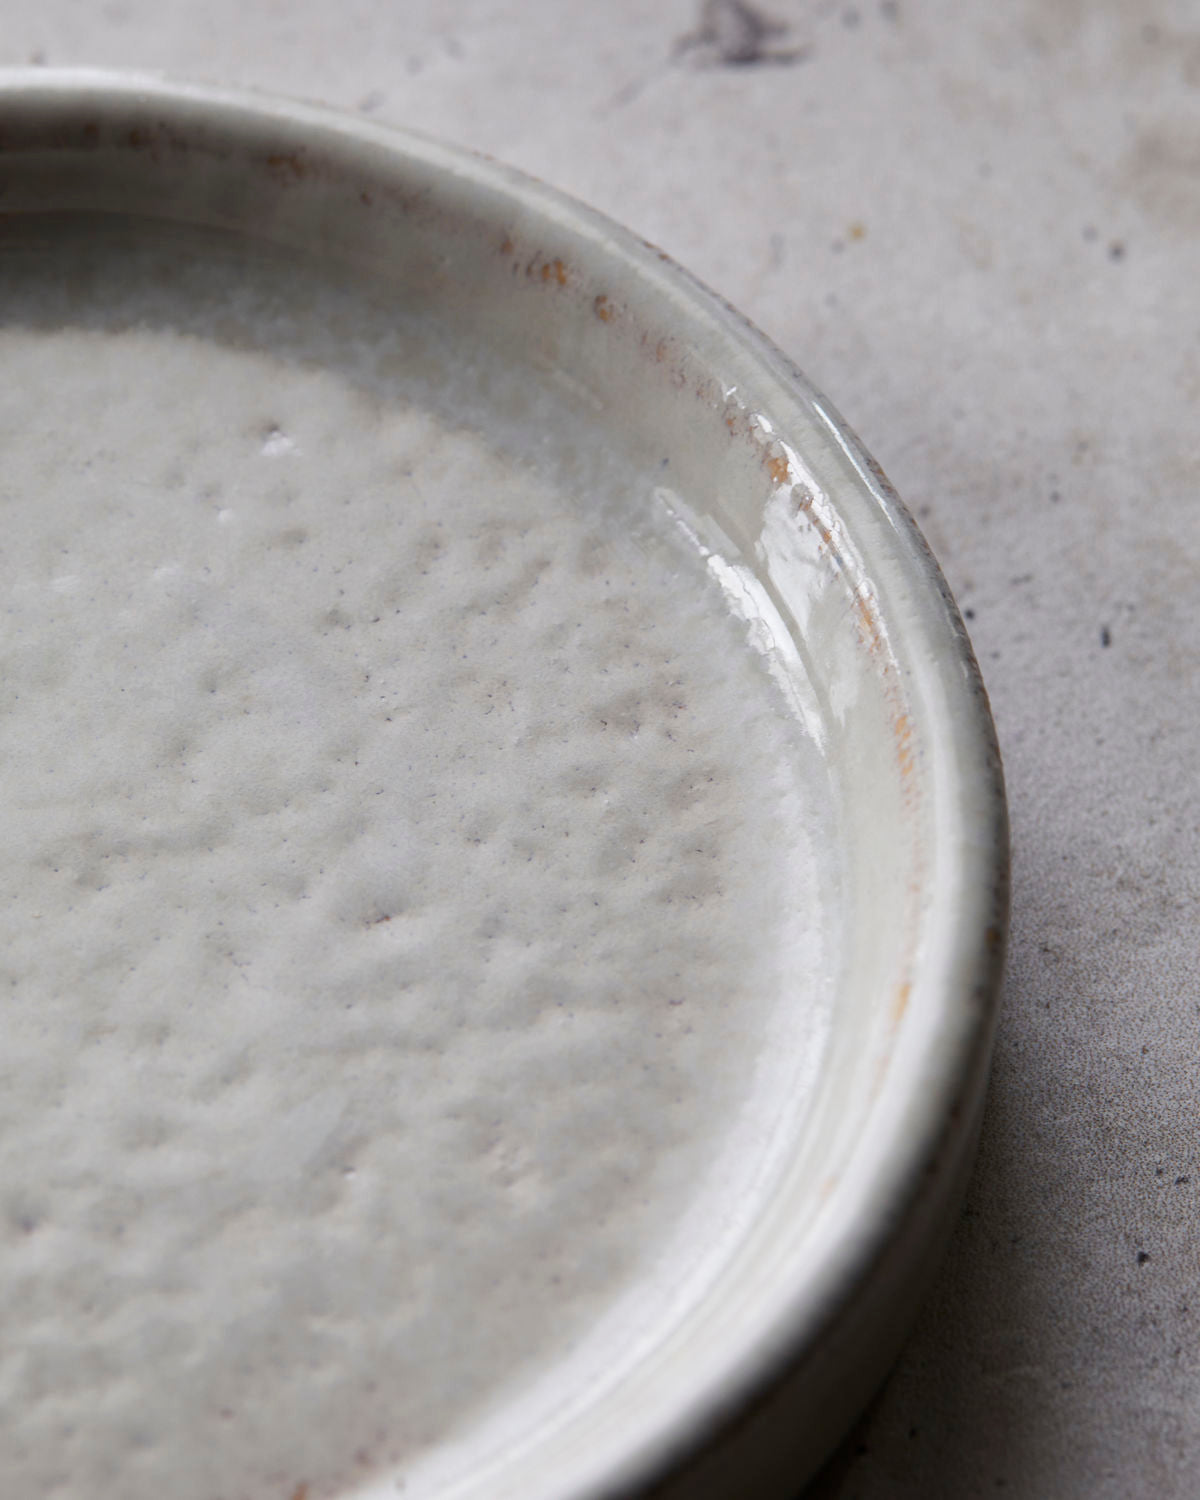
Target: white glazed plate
column 505, row 851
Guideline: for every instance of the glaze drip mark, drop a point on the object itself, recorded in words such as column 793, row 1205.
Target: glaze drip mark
column 733, row 34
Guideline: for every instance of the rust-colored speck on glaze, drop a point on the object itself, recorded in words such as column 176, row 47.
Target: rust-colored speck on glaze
column 779, row 469
column 300, row 1492
column 506, row 246
column 875, row 469
column 547, row 271
column 288, row 166
column 868, row 624
column 662, row 254
column 902, row 729
column 802, row 505
column 602, row 308
column 156, row 138
column 900, row 1002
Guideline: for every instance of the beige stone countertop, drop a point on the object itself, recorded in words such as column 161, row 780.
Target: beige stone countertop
column 977, row 229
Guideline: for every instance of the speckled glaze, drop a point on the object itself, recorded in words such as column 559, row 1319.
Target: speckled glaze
column 748, row 1388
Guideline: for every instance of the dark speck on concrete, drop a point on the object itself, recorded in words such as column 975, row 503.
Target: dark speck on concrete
column 1142, row 1257
column 968, row 614
column 1180, row 1181
column 1116, row 251
column 733, row 34
column 1105, row 636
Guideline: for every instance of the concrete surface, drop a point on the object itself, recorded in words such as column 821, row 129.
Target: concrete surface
column 975, row 227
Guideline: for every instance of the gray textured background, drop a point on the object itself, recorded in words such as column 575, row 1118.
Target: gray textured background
column 975, row 227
